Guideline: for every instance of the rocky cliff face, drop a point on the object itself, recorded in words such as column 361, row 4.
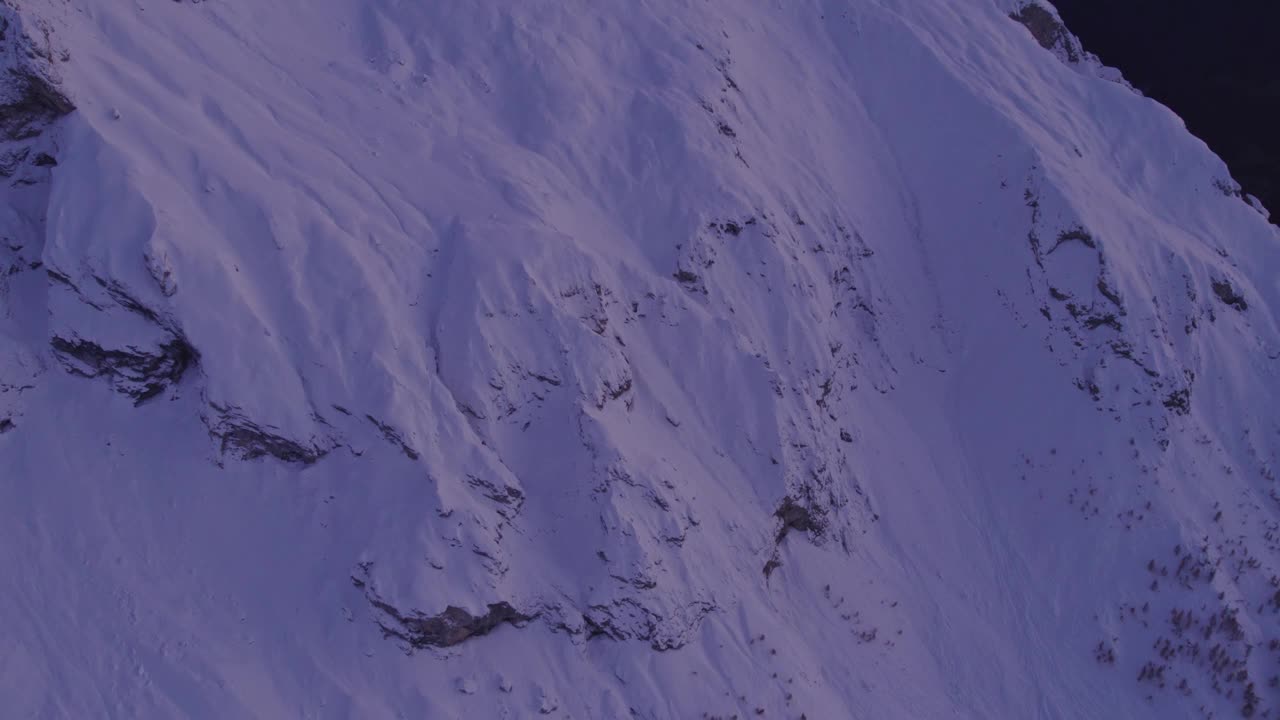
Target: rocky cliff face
column 31, row 101
column 371, row 359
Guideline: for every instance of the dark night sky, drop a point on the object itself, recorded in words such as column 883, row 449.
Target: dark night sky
column 1214, row 62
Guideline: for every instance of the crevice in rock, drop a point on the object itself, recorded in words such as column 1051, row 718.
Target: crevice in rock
column 122, row 298
column 392, row 436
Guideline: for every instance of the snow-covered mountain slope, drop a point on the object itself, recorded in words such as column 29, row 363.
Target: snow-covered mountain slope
column 830, row 358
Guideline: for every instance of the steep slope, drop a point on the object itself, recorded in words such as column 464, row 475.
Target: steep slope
column 388, row 359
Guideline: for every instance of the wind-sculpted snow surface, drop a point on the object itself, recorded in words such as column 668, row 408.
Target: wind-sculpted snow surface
column 834, row 358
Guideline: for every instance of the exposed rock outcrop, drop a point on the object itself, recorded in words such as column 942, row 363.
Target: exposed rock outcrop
column 31, row 97
column 138, row 373
column 1048, row 30
column 450, row 627
column 240, row 437
column 141, row 362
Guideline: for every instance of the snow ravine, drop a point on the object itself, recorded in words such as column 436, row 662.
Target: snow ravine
column 665, row 359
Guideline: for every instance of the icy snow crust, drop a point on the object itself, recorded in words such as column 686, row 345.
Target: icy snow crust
column 846, row 359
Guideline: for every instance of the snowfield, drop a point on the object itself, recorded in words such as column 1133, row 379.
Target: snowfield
column 665, row 359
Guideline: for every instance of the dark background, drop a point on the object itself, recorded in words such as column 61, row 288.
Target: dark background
column 1216, row 63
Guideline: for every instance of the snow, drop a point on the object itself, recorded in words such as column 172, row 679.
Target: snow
column 559, row 305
